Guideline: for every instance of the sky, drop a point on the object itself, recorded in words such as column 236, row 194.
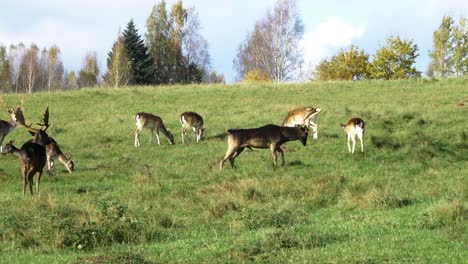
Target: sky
column 81, row 26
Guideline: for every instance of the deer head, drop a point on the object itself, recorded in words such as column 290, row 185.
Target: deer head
column 40, row 135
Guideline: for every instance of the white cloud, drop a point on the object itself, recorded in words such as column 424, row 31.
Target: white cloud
column 332, row 33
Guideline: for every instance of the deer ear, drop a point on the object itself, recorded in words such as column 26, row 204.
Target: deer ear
column 32, row 133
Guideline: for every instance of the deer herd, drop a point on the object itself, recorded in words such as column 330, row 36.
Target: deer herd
column 42, row 149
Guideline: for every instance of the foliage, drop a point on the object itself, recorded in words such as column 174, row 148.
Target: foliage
column 118, row 65
column 141, row 63
column 256, row 75
column 459, row 48
column 5, row 71
column 89, row 73
column 179, row 52
column 395, row 60
column 215, row 77
column 440, row 55
column 351, row 64
column 273, row 46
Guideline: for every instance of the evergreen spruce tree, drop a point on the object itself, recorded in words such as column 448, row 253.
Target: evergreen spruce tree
column 141, row 63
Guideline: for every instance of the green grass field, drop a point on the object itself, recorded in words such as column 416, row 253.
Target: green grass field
column 404, row 200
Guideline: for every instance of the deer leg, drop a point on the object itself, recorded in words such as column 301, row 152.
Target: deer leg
column 282, row 155
column 157, row 137
column 234, row 155
column 49, row 165
column 31, row 181
column 360, row 138
column 229, row 153
column 151, row 136
column 137, row 137
column 273, row 153
column 1, row 142
column 354, row 143
column 349, row 139
column 38, row 181
column 183, row 135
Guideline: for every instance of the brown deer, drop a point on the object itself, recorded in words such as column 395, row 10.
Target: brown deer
column 304, row 116
column 53, row 153
column 32, row 157
column 6, row 127
column 195, row 122
column 269, row 136
column 152, row 122
column 354, row 128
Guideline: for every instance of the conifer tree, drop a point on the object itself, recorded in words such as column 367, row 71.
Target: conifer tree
column 141, row 63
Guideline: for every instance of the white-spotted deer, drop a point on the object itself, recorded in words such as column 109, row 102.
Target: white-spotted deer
column 6, row 127
column 195, row 122
column 303, row 116
column 354, row 128
column 154, row 123
column 32, row 157
column 269, row 136
column 53, row 153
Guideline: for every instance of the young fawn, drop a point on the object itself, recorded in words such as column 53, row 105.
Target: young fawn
column 152, row 122
column 354, row 128
column 53, row 153
column 195, row 122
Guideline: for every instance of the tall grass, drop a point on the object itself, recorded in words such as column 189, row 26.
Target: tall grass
column 403, row 200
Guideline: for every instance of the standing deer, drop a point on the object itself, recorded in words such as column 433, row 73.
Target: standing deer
column 53, row 152
column 152, row 122
column 32, row 157
column 354, row 127
column 195, row 122
column 269, row 136
column 304, row 116
column 7, row 127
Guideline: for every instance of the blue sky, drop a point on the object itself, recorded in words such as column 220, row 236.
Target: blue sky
column 79, row 26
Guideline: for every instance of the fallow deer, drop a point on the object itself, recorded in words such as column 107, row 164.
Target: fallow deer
column 269, row 136
column 53, row 152
column 195, row 122
column 304, row 116
column 154, row 123
column 32, row 157
column 354, row 128
column 6, row 127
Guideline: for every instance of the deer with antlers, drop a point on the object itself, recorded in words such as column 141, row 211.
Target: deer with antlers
column 6, row 127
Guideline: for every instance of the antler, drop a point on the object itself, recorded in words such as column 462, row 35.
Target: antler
column 45, row 119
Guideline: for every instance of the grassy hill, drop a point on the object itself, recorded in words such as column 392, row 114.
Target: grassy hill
column 403, row 200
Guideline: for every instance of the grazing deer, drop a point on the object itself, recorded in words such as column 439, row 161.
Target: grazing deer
column 194, row 121
column 152, row 122
column 304, row 116
column 53, row 152
column 32, row 157
column 354, row 127
column 269, row 136
column 6, row 127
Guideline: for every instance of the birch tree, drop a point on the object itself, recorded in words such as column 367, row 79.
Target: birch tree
column 273, row 47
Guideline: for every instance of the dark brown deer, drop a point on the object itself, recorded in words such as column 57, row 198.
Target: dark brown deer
column 32, row 157
column 152, row 122
column 194, row 121
column 269, row 136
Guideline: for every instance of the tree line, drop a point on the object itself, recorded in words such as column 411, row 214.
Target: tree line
column 173, row 51
column 271, row 52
